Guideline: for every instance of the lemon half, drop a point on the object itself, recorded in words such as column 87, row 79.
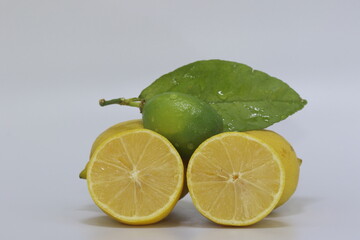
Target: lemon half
column 135, row 176
column 236, row 178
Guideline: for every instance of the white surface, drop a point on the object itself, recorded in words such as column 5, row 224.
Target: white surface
column 57, row 58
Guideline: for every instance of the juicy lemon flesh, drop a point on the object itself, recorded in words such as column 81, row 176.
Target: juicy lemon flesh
column 117, row 128
column 136, row 177
column 235, row 179
column 287, row 157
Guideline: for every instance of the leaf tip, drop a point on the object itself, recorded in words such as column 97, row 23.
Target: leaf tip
column 304, row 102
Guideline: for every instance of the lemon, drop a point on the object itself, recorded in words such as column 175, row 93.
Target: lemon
column 117, row 128
column 135, row 176
column 183, row 119
column 237, row 178
column 287, row 157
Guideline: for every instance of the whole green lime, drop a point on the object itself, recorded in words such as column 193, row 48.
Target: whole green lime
column 183, row 119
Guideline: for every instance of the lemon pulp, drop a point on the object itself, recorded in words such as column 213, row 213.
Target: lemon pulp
column 135, row 176
column 235, row 179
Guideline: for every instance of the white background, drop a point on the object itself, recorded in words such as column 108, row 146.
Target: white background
column 57, row 58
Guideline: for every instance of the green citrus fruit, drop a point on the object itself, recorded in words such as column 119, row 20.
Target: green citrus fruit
column 183, row 119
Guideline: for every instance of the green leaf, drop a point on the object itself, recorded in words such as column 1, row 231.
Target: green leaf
column 247, row 99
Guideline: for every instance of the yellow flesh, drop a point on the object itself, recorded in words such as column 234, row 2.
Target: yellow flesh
column 287, row 157
column 136, row 177
column 234, row 179
column 117, row 128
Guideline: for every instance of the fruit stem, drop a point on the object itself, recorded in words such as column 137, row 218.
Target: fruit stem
column 133, row 102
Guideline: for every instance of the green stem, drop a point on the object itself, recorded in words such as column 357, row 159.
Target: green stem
column 133, row 102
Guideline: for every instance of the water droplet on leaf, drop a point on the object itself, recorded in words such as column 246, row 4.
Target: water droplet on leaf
column 221, row 95
column 174, row 81
column 230, row 126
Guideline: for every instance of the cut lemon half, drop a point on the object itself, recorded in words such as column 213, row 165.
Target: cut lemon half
column 135, row 176
column 235, row 179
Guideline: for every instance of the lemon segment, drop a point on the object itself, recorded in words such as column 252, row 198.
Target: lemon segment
column 135, row 176
column 235, row 179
